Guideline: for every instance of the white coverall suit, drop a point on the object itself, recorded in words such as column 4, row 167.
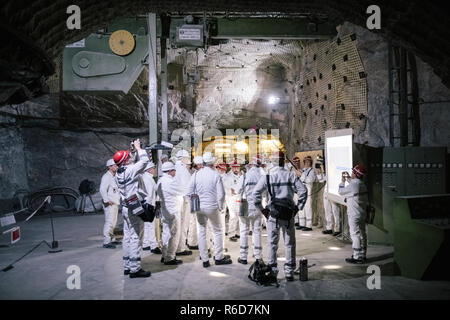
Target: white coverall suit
column 308, row 178
column 109, row 192
column 283, row 185
column 331, row 209
column 192, row 232
column 252, row 221
column 169, row 193
column 127, row 178
column 183, row 178
column 356, row 196
column 232, row 181
column 149, row 227
column 209, row 187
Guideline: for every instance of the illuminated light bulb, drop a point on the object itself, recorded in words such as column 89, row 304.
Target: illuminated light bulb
column 273, row 100
column 334, row 248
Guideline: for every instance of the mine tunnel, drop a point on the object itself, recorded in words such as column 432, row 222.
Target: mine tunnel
column 319, row 87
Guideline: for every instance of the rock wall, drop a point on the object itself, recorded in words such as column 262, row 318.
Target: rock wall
column 373, row 52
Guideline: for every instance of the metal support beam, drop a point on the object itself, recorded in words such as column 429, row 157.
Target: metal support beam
column 164, row 129
column 152, row 84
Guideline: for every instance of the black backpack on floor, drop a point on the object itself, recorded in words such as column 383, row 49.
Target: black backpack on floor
column 262, row 274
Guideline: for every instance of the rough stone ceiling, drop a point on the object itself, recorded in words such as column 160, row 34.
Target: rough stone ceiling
column 422, row 26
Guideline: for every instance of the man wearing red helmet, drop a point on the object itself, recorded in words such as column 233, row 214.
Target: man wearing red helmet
column 356, row 198
column 127, row 178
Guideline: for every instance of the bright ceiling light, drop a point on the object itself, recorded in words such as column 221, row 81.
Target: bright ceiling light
column 306, row 234
column 332, row 267
column 273, row 100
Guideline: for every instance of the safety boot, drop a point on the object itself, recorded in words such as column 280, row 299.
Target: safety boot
column 225, row 260
column 140, row 274
column 173, row 262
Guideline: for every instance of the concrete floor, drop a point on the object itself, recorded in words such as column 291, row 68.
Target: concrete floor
column 41, row 275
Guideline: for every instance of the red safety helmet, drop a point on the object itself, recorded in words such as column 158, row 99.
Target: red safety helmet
column 222, row 166
column 121, row 156
column 296, row 159
column 308, row 158
column 235, row 164
column 359, row 170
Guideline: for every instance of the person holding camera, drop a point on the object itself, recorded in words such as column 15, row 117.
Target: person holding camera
column 127, row 179
column 308, row 178
column 356, row 198
column 111, row 200
column 281, row 186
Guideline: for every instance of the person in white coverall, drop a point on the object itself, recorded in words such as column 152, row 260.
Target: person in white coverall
column 222, row 169
column 169, row 192
column 149, row 242
column 207, row 184
column 308, row 178
column 192, row 232
column 283, row 185
column 331, row 208
column 231, row 185
column 127, row 178
column 356, row 198
column 111, row 200
column 252, row 220
column 183, row 178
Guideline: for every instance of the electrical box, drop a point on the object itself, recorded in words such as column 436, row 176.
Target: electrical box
column 411, row 171
column 186, row 35
column 400, row 172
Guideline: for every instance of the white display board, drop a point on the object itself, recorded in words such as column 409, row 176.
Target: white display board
column 339, row 158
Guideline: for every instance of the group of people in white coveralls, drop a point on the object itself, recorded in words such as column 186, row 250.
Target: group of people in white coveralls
column 130, row 183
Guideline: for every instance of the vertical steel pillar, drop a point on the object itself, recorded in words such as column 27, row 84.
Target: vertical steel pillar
column 152, row 84
column 164, row 125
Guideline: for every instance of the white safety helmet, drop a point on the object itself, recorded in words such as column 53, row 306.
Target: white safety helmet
column 183, row 154
column 149, row 166
column 198, row 160
column 110, row 163
column 167, row 166
column 208, row 158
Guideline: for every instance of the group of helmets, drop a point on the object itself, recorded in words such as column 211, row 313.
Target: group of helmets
column 208, row 158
